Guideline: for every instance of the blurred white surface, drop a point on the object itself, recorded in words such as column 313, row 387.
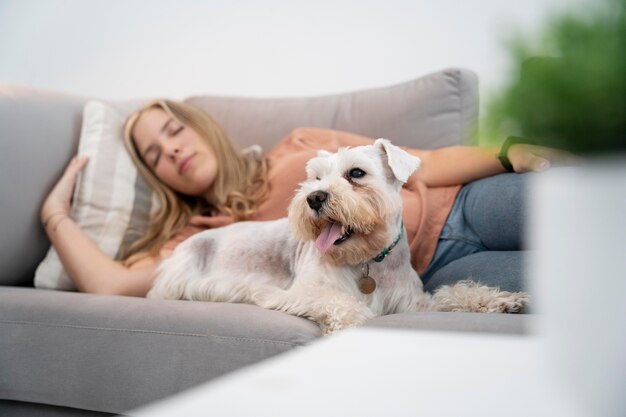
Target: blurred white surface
column 579, row 277
column 367, row 372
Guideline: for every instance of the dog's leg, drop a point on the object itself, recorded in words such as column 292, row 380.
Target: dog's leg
column 470, row 296
column 333, row 310
column 424, row 302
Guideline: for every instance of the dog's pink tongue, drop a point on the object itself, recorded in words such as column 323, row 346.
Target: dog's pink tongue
column 330, row 233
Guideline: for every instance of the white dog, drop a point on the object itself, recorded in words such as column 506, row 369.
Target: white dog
column 341, row 258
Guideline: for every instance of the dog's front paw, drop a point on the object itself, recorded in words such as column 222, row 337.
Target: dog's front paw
column 340, row 320
column 330, row 326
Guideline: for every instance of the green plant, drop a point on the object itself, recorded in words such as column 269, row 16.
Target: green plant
column 572, row 90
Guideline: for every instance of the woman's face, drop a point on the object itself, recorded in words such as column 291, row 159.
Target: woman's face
column 176, row 154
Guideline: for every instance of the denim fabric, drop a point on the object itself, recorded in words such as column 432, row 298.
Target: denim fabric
column 483, row 238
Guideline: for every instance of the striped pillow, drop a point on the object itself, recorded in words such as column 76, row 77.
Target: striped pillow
column 111, row 202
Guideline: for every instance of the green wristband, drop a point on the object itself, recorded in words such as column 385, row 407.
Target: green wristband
column 503, row 156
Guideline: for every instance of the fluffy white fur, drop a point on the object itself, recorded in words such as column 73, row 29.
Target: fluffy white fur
column 276, row 264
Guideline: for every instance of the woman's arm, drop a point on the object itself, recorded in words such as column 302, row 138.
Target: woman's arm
column 88, row 267
column 455, row 165
column 92, row 270
column 462, row 164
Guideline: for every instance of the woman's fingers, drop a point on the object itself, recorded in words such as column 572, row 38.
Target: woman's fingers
column 535, row 158
column 59, row 199
column 537, row 163
column 560, row 157
column 76, row 165
column 71, row 172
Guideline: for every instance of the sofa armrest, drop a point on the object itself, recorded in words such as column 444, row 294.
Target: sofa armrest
column 39, row 133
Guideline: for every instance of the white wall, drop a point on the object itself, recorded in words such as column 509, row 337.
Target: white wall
column 173, row 48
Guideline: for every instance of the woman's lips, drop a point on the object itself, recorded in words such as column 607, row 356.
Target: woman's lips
column 185, row 163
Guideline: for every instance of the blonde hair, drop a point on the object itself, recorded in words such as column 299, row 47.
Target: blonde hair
column 239, row 187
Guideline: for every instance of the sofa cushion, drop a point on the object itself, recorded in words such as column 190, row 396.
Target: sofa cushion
column 22, row 409
column 39, row 133
column 115, row 353
column 111, row 202
column 457, row 322
column 436, row 110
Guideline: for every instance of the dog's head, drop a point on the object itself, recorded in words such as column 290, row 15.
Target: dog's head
column 350, row 201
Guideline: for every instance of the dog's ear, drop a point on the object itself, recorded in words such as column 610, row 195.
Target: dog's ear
column 323, row 153
column 402, row 163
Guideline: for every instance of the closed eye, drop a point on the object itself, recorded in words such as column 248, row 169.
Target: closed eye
column 157, row 158
column 177, row 131
column 152, row 156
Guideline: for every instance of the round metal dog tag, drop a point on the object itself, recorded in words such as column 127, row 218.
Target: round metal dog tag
column 367, row 285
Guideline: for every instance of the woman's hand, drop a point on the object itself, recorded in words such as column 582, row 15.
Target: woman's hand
column 59, row 199
column 525, row 158
column 86, row 264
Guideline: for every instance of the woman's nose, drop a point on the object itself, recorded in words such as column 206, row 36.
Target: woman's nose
column 172, row 149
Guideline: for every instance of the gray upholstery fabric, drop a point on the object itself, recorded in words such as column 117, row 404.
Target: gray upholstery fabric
column 21, row 409
column 39, row 132
column 461, row 322
column 439, row 109
column 112, row 354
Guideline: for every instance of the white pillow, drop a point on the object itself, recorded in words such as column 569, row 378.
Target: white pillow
column 111, row 202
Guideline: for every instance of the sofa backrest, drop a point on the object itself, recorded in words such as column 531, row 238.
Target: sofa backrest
column 433, row 111
column 39, row 134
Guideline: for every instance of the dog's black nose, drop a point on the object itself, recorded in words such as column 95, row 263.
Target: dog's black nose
column 316, row 199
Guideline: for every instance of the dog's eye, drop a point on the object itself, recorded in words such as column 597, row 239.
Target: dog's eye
column 317, row 178
column 356, row 173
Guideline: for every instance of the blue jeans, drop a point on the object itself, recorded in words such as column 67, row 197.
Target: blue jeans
column 483, row 237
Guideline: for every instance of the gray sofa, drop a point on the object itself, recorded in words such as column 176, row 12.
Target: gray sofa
column 67, row 353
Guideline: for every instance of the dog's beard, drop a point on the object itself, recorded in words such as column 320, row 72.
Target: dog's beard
column 351, row 228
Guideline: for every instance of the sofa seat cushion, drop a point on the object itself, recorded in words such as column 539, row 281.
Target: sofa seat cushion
column 458, row 322
column 110, row 353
